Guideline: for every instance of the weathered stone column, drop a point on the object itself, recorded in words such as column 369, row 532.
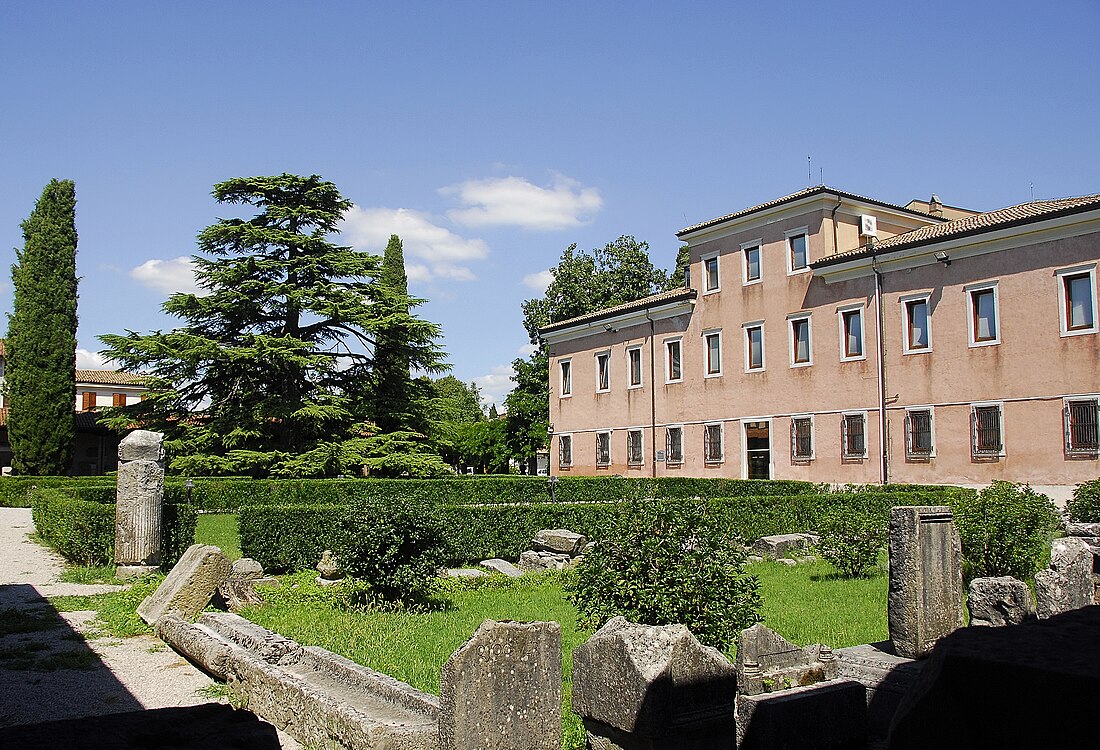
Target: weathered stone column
column 925, row 600
column 139, row 504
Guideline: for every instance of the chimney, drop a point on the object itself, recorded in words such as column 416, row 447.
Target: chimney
column 935, row 207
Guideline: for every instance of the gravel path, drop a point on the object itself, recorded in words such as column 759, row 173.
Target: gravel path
column 49, row 671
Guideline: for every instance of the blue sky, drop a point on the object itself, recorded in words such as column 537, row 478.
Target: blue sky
column 490, row 136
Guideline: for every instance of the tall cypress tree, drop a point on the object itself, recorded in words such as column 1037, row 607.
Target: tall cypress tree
column 395, row 394
column 41, row 343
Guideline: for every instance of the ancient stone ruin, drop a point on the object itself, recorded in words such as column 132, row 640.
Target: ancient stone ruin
column 999, row 601
column 926, row 583
column 766, row 661
column 189, row 585
column 553, row 549
column 1067, row 583
column 139, row 504
column 653, row 687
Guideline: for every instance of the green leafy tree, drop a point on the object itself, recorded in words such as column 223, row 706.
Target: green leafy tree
column 41, row 342
column 273, row 370
column 619, row 272
column 679, row 275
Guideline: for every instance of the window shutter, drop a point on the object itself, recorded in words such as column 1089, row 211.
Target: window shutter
column 668, row 445
column 1067, row 427
column 794, row 438
column 844, row 436
column 974, row 431
column 908, row 433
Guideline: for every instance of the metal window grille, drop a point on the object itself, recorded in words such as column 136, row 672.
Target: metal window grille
column 918, row 433
column 603, row 449
column 985, row 432
column 1082, row 423
column 853, row 438
column 802, row 447
column 712, row 443
column 674, row 445
column 634, row 447
column 565, row 450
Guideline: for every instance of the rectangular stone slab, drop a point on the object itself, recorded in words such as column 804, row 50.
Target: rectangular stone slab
column 189, row 585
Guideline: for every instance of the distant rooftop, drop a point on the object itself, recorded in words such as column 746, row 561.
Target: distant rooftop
column 108, row 377
column 674, row 295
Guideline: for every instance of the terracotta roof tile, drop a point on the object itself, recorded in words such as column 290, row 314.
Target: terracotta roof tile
column 796, row 196
column 108, row 377
column 976, row 224
column 675, row 295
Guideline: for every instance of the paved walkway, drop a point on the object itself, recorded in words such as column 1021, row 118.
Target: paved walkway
column 49, row 671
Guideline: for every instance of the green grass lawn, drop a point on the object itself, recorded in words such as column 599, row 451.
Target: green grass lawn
column 220, row 530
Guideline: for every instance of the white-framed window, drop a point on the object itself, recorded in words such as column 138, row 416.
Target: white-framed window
column 1077, row 300
column 850, row 318
column 712, row 443
column 603, row 449
column 853, row 435
column 802, row 438
column 565, row 370
column 983, row 319
column 711, row 280
column 917, row 314
column 754, row 346
column 634, row 454
column 752, row 269
column 987, row 436
column 920, row 433
column 565, row 451
column 798, row 251
column 603, row 372
column 801, row 349
column 712, row 353
column 674, row 444
column 674, row 361
column 1081, row 417
column 634, row 367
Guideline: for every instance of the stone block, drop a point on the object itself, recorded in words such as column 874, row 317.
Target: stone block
column 265, row 644
column 502, row 566
column 828, row 716
column 246, row 568
column 1002, row 600
column 189, row 585
column 535, row 561
column 886, row 677
column 926, row 585
column 779, row 546
column 560, row 541
column 463, row 573
column 1068, row 583
column 501, row 690
column 1033, row 686
column 642, row 686
column 142, row 445
column 766, row 661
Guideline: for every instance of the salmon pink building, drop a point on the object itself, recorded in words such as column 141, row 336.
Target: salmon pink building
column 835, row 338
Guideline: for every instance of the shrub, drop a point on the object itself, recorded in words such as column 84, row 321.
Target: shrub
column 396, row 546
column 1085, row 505
column 669, row 562
column 287, row 537
column 851, row 541
column 1005, row 530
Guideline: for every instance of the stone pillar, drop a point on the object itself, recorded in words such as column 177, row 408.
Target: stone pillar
column 139, row 506
column 501, row 690
column 926, row 584
column 643, row 687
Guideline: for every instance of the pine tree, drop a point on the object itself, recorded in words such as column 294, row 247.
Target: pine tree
column 41, row 342
column 272, row 371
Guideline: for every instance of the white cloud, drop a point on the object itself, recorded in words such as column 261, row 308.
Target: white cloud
column 168, row 276
column 513, row 201
column 539, row 281
column 527, row 350
column 496, row 385
column 443, row 253
column 86, row 359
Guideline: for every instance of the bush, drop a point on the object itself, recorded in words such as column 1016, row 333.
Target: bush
column 1085, row 505
column 396, row 546
column 288, row 537
column 1006, row 530
column 15, row 492
column 669, row 562
column 851, row 541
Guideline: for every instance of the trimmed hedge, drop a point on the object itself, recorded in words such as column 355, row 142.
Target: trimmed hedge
column 291, row 537
column 15, row 492
column 83, row 531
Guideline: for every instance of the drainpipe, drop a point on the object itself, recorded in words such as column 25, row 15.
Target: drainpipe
column 836, row 245
column 652, row 398
column 884, row 465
